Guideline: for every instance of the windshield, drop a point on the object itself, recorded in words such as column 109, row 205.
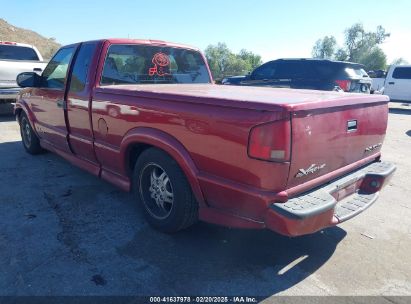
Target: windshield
column 15, row 52
column 143, row 64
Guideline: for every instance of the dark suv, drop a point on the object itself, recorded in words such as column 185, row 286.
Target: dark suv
column 314, row 74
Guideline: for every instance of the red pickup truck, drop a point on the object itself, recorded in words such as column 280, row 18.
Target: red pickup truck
column 146, row 116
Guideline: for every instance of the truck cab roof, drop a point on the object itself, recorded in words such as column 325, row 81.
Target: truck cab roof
column 145, row 42
column 320, row 60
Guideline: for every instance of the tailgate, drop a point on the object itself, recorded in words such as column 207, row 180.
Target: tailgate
column 9, row 69
column 326, row 139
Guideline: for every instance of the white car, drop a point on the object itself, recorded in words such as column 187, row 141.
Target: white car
column 16, row 58
column 397, row 83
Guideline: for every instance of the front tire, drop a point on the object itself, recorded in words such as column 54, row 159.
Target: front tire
column 163, row 191
column 29, row 138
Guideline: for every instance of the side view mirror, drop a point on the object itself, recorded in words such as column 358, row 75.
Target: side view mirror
column 28, row 79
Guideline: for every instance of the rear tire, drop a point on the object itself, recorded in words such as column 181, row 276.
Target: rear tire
column 28, row 137
column 163, row 192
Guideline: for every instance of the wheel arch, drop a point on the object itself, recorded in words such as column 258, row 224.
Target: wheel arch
column 17, row 113
column 139, row 139
column 22, row 107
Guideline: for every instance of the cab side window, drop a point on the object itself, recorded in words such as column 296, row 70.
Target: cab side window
column 266, row 71
column 81, row 67
column 290, row 69
column 55, row 74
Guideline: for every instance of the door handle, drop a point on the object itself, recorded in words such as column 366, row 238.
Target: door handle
column 37, row 70
column 351, row 125
column 61, row 103
column 391, row 82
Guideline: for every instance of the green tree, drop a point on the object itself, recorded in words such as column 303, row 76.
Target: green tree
column 341, row 55
column 374, row 59
column 218, row 57
column 223, row 62
column 324, row 48
column 359, row 46
column 252, row 59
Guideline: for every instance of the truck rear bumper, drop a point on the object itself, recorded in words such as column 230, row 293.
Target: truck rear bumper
column 332, row 203
column 327, row 205
column 9, row 93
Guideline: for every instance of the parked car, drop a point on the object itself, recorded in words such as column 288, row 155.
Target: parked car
column 14, row 59
column 313, row 74
column 146, row 116
column 377, row 74
column 396, row 83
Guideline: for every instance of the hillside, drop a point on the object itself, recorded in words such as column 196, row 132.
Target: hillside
column 46, row 46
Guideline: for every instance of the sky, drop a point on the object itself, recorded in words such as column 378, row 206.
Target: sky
column 270, row 28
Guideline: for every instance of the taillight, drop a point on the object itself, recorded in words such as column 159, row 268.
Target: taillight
column 271, row 141
column 345, row 85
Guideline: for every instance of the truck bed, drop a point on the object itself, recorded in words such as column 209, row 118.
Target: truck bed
column 257, row 98
column 329, row 130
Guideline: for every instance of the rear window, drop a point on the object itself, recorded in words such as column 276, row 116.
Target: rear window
column 402, row 73
column 356, row 72
column 15, row 52
column 143, row 64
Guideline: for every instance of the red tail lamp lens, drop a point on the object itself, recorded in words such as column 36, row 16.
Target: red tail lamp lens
column 271, row 141
column 345, row 85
